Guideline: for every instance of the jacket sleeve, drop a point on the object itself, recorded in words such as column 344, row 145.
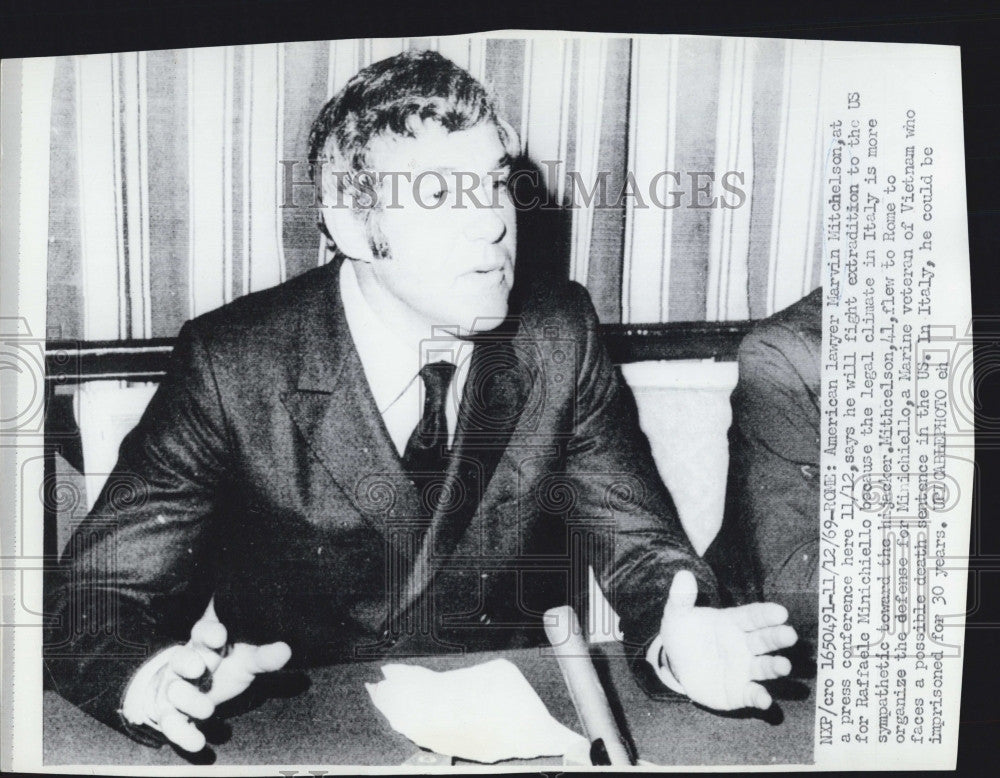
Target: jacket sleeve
column 136, row 573
column 611, row 467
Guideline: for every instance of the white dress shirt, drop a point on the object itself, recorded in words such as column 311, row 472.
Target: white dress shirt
column 391, row 366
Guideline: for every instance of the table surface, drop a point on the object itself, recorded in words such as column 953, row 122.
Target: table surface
column 325, row 717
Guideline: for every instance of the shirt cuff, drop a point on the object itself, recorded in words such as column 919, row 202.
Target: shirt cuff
column 654, row 655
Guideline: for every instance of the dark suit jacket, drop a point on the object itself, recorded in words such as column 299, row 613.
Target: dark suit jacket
column 767, row 547
column 262, row 472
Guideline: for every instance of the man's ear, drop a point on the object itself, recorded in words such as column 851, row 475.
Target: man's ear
column 510, row 139
column 348, row 231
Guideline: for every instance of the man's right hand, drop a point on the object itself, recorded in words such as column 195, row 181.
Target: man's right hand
column 169, row 698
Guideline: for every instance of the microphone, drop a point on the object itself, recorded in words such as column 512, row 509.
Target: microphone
column 570, row 648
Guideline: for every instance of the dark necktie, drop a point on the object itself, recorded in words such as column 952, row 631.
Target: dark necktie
column 427, row 449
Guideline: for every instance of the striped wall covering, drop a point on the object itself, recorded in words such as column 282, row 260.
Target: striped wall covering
column 165, row 171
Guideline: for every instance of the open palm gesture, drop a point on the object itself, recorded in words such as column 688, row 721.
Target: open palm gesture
column 719, row 655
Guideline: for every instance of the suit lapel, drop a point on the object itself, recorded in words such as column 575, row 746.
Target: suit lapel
column 334, row 410
column 498, row 385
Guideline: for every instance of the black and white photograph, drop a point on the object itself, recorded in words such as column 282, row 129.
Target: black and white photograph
column 513, row 399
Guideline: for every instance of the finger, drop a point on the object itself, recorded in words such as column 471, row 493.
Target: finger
column 242, row 663
column 683, row 591
column 756, row 696
column 765, row 668
column 268, row 658
column 764, row 641
column 178, row 729
column 187, row 663
column 759, row 614
column 187, row 699
column 210, row 634
column 208, row 639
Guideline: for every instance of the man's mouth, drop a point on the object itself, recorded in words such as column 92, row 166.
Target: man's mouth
column 492, row 276
column 493, row 268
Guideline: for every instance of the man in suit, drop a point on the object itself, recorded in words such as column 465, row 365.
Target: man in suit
column 768, row 545
column 396, row 453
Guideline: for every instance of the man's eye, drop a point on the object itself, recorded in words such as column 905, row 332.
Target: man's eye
column 432, row 192
column 501, row 182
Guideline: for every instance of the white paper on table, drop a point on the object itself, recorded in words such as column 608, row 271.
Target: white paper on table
column 484, row 713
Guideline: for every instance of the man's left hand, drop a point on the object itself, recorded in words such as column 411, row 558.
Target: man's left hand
column 718, row 655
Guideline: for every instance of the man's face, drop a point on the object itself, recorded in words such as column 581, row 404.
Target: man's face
column 450, row 254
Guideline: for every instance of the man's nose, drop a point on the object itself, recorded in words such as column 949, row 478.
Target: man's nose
column 486, row 222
